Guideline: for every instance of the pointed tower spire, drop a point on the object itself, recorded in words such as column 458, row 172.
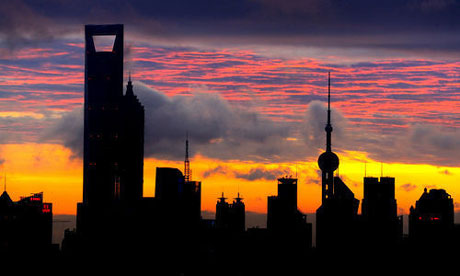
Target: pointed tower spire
column 222, row 198
column 129, row 87
column 328, row 161
column 328, row 125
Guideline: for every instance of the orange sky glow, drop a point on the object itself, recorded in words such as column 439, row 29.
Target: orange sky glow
column 50, row 168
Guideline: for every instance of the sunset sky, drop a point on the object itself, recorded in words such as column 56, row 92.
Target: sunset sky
column 248, row 80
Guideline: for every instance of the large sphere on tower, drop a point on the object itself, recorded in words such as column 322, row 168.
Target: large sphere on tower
column 328, row 161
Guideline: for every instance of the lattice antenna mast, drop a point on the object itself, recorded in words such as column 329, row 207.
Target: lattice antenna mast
column 187, row 171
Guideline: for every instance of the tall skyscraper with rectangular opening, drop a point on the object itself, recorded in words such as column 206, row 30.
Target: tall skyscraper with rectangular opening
column 113, row 130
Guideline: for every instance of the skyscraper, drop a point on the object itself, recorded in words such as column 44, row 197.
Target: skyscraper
column 26, row 226
column 282, row 210
column 132, row 150
column 431, row 221
column 113, row 154
column 287, row 225
column 102, row 117
column 337, row 215
column 230, row 216
column 383, row 227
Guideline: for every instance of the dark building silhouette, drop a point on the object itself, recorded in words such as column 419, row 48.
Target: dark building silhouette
column 230, row 216
column 25, row 225
column 382, row 226
column 431, row 222
column 169, row 185
column 287, row 224
column 102, row 117
column 180, row 199
column 222, row 220
column 192, row 191
column 114, row 125
column 113, row 155
column 336, row 218
column 116, row 223
column 132, row 150
column 239, row 214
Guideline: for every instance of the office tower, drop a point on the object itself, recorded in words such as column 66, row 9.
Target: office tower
column 336, row 217
column 180, row 199
column 287, row 224
column 222, row 213
column 431, row 222
column 230, row 217
column 102, row 117
column 282, row 210
column 238, row 214
column 113, row 150
column 382, row 226
column 26, row 226
column 132, row 141
column 169, row 185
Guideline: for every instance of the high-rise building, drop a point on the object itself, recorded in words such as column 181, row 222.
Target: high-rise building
column 230, row 216
column 132, row 151
column 238, row 211
column 336, row 217
column 26, row 226
column 222, row 213
column 102, row 117
column 431, row 221
column 282, row 212
column 285, row 222
column 169, row 185
column 113, row 153
column 381, row 223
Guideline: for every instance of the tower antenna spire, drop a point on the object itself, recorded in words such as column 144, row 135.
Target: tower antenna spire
column 329, row 125
column 328, row 161
column 329, row 98
column 187, row 173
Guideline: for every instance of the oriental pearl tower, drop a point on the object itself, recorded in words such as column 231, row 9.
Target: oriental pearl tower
column 328, row 161
column 336, row 217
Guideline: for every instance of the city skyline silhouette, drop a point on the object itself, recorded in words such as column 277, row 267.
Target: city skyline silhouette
column 191, row 140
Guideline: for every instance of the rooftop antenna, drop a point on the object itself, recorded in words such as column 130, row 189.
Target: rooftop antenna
column 4, row 182
column 365, row 169
column 187, row 174
column 381, row 169
column 296, row 171
column 222, row 199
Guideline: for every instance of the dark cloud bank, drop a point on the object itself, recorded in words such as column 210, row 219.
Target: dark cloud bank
column 413, row 25
column 220, row 130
